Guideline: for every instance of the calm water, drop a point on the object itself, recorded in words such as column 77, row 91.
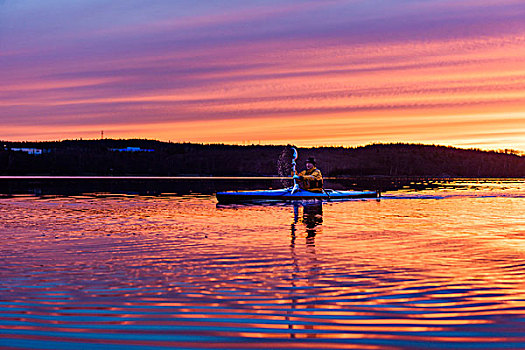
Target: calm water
column 442, row 268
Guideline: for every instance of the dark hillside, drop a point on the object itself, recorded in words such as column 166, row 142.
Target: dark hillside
column 99, row 157
column 419, row 160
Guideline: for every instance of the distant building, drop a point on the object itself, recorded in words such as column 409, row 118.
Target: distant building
column 27, row 150
column 131, row 149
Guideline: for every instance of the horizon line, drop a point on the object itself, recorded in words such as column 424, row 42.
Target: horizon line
column 505, row 150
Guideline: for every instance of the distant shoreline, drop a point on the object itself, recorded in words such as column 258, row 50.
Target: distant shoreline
column 44, row 186
column 152, row 159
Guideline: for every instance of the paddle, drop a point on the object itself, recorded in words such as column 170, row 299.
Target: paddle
column 295, row 177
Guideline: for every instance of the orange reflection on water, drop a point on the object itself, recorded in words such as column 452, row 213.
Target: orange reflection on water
column 441, row 266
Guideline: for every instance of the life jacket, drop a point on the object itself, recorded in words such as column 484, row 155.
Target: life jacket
column 312, row 180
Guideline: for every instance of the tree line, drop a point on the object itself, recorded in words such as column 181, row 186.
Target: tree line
column 98, row 157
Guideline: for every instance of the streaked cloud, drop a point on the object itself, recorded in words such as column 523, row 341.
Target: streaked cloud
column 275, row 71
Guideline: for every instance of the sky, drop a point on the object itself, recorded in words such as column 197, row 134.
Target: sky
column 308, row 73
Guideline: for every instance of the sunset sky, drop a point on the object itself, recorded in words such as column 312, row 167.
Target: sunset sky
column 331, row 72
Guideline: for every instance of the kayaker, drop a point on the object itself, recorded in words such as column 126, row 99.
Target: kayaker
column 310, row 179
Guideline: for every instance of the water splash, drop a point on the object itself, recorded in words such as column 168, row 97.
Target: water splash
column 284, row 167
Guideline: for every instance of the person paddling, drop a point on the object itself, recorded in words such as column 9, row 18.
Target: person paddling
column 310, row 179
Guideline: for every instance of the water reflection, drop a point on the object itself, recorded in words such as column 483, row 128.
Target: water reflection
column 427, row 271
column 312, row 218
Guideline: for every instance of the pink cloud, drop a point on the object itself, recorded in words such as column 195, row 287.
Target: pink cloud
column 268, row 60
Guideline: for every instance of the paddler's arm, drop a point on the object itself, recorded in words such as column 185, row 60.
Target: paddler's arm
column 302, row 175
column 316, row 175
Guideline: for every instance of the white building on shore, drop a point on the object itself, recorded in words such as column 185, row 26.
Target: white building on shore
column 36, row 151
column 131, row 149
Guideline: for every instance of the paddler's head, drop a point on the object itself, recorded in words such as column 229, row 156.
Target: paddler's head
column 310, row 163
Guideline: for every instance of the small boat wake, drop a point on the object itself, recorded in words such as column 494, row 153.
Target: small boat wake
column 457, row 194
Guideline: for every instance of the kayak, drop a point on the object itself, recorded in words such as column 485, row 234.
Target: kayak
column 286, row 194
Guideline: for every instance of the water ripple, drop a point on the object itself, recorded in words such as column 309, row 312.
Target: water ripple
column 408, row 272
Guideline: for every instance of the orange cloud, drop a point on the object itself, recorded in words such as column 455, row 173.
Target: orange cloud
column 353, row 87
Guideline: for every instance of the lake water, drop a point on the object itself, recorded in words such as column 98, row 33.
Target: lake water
column 437, row 268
